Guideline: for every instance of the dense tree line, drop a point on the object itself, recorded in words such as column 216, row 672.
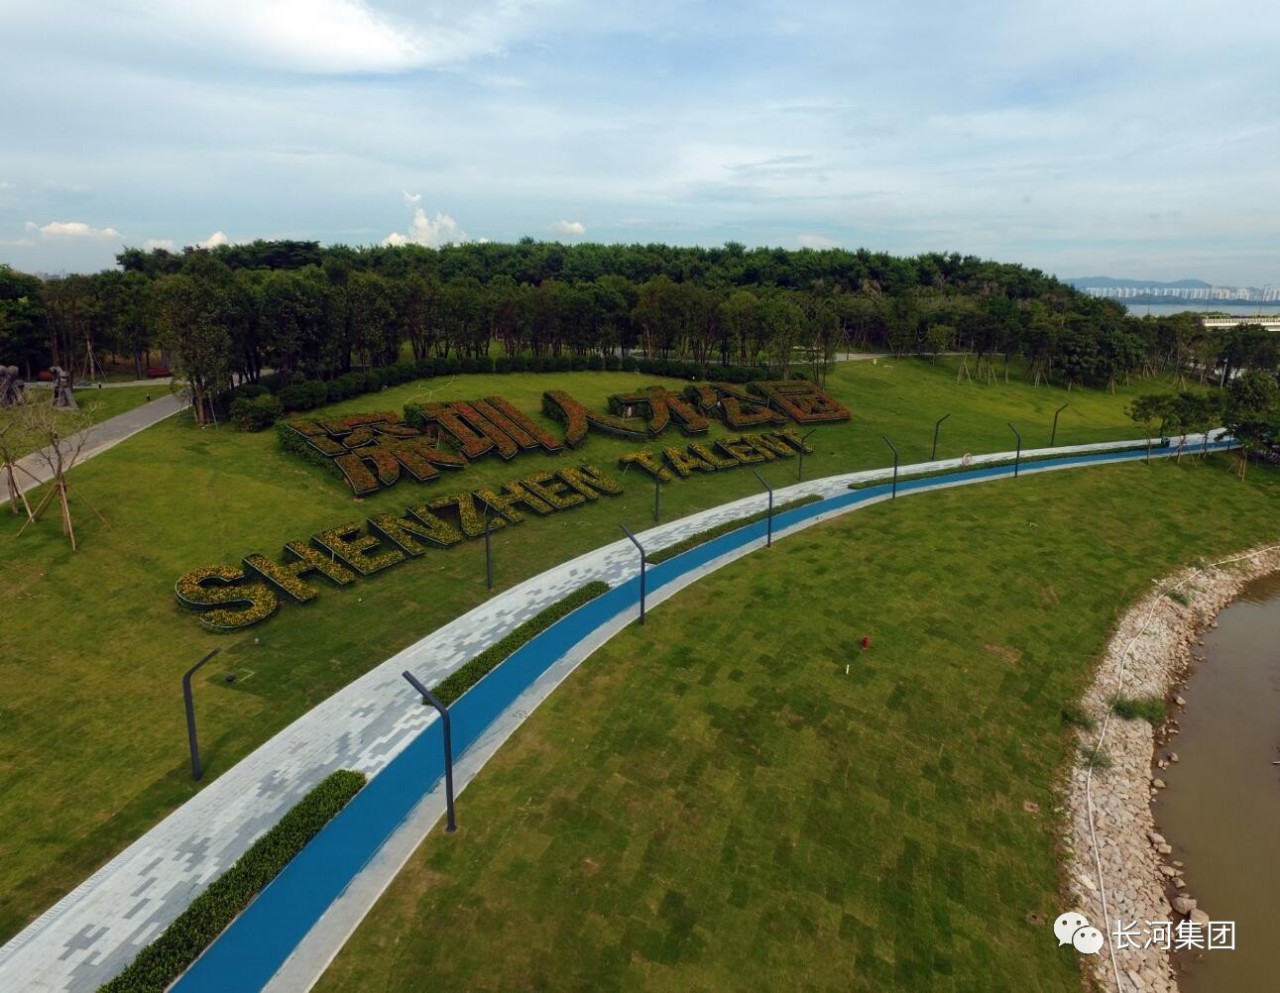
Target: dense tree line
column 310, row 312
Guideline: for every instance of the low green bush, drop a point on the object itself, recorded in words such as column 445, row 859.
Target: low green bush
column 1151, row 709
column 477, row 668
column 166, row 958
column 1095, row 758
column 295, row 396
column 1074, row 715
column 256, row 413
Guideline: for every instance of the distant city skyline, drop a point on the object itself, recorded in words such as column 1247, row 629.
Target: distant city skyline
column 1083, row 138
column 1113, row 288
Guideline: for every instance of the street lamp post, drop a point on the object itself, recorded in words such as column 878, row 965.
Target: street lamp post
column 1017, row 458
column 643, row 562
column 803, row 438
column 894, row 493
column 196, row 771
column 769, row 532
column 451, row 823
column 1054, row 436
column 936, row 428
column 488, row 555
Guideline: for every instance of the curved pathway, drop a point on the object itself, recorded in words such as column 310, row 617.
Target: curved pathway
column 376, row 725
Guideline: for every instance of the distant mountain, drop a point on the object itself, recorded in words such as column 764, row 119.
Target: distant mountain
column 1155, row 291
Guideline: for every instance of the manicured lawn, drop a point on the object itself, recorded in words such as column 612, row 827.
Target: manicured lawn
column 93, row 644
column 737, row 797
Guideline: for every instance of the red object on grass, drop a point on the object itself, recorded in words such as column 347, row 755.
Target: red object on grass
column 45, row 376
column 866, row 641
column 158, row 372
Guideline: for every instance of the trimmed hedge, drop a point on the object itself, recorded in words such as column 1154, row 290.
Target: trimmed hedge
column 702, row 537
column 477, row 668
column 307, row 394
column 166, row 958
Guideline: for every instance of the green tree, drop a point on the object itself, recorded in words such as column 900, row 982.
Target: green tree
column 193, row 317
column 1149, row 408
column 23, row 334
column 1253, row 413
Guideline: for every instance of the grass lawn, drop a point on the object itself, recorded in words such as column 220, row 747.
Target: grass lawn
column 93, row 644
column 736, row 797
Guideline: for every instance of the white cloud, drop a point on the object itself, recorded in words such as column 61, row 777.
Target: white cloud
column 569, row 229
column 413, row 198
column 151, row 244
column 325, row 37
column 423, row 230
column 818, row 241
column 70, row 229
column 214, row 240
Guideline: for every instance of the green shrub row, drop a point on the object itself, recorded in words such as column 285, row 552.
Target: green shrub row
column 166, row 958
column 256, row 413
column 477, row 668
column 702, row 537
column 306, row 394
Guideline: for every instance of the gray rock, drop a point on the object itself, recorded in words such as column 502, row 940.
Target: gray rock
column 1183, row 904
column 1198, row 916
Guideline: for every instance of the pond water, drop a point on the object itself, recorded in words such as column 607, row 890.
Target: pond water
column 1221, row 812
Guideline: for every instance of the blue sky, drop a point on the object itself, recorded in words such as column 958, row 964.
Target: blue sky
column 1132, row 139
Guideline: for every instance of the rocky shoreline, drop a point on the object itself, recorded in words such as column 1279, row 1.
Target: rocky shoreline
column 1113, row 850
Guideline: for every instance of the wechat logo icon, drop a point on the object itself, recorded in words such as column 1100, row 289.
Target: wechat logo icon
column 1073, row 928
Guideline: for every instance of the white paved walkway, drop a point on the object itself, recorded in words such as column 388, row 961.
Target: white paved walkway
column 99, row 927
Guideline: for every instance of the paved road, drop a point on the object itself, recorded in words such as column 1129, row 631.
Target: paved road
column 96, row 930
column 34, row 470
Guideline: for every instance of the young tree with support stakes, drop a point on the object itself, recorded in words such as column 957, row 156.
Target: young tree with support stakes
column 61, row 436
column 13, row 435
column 1145, row 410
